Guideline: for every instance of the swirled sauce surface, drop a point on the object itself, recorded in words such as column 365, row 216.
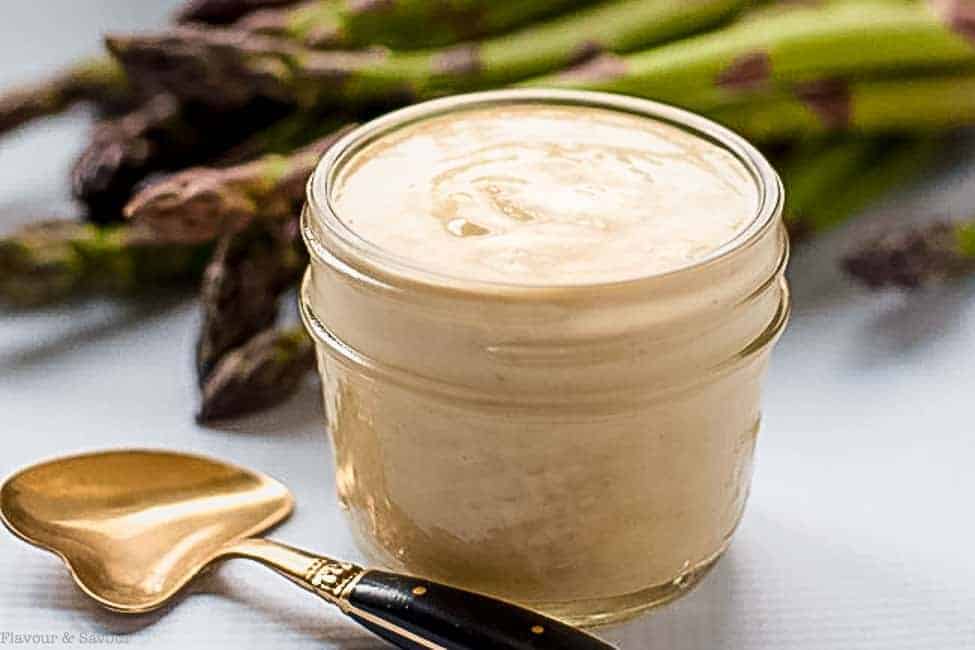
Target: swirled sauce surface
column 545, row 195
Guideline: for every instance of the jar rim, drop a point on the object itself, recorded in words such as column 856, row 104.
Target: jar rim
column 353, row 246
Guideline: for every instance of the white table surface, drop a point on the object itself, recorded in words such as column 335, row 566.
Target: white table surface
column 859, row 534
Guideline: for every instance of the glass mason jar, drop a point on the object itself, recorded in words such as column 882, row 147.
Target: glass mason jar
column 586, row 449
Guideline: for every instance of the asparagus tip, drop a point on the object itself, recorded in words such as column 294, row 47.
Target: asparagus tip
column 262, row 373
column 193, row 206
column 240, row 288
column 910, row 259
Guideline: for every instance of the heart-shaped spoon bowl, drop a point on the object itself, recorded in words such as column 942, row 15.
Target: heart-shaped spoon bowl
column 135, row 526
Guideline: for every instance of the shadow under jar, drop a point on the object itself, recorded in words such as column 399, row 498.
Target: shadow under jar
column 543, row 319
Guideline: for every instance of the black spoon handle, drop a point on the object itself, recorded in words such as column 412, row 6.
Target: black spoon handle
column 414, row 613
column 420, row 615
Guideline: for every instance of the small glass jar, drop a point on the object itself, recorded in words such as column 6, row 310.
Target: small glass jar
column 586, row 449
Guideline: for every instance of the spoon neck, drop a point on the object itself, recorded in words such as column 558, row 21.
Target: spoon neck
column 329, row 579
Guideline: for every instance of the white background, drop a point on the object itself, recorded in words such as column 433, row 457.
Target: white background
column 859, row 533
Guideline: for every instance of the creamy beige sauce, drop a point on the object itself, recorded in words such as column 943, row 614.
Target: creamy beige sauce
column 585, row 452
column 540, row 194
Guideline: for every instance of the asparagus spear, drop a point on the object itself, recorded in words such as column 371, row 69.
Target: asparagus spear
column 917, row 256
column 868, row 107
column 241, row 285
column 200, row 204
column 162, row 134
column 399, row 24
column 837, row 179
column 261, row 373
column 220, row 12
column 794, row 45
column 892, row 166
column 48, row 261
column 99, row 80
column 197, row 205
column 229, row 67
column 817, row 170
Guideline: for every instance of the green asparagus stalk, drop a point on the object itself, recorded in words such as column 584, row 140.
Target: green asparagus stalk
column 230, row 67
column 838, row 179
column 241, row 286
column 916, row 256
column 785, row 47
column 51, row 260
column 893, row 166
column 200, row 204
column 99, row 80
column 399, row 24
column 262, row 373
column 867, row 107
column 817, row 170
column 221, row 12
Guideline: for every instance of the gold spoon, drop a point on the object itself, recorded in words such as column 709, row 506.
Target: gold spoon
column 135, row 526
